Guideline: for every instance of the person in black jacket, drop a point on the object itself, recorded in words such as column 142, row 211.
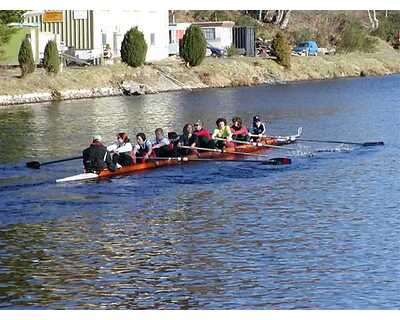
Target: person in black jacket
column 188, row 139
column 96, row 157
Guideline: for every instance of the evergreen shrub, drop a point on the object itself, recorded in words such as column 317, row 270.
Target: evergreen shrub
column 134, row 48
column 51, row 60
column 281, row 49
column 25, row 58
column 194, row 46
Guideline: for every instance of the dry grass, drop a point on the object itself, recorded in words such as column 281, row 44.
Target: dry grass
column 213, row 72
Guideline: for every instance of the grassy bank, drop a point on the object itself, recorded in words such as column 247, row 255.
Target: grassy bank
column 172, row 74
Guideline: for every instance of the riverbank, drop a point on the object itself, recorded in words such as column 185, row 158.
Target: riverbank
column 172, row 74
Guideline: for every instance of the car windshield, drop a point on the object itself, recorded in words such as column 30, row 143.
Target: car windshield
column 303, row 44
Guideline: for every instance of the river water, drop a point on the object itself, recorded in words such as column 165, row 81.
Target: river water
column 321, row 233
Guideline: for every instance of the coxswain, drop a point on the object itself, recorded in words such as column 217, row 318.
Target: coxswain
column 223, row 132
column 258, row 130
column 239, row 132
column 96, row 158
column 187, row 139
column 143, row 149
column 202, row 134
column 161, row 144
column 121, row 150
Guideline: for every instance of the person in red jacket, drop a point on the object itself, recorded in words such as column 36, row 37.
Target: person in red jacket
column 202, row 134
column 239, row 132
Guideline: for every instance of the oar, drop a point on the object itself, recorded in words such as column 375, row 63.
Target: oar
column 223, row 151
column 363, row 144
column 271, row 161
column 37, row 164
column 257, row 144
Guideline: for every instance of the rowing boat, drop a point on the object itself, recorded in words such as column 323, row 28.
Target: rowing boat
column 255, row 148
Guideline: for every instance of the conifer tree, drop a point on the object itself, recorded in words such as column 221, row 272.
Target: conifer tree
column 134, row 48
column 194, row 46
column 25, row 58
column 281, row 49
column 51, row 59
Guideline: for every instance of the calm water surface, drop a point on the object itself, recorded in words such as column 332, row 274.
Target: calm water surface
column 322, row 233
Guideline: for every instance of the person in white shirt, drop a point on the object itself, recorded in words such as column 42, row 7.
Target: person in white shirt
column 161, row 144
column 121, row 150
column 143, row 149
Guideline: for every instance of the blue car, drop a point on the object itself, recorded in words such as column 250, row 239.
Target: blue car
column 216, row 52
column 309, row 48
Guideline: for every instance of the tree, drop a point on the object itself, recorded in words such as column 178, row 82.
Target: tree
column 281, row 49
column 51, row 59
column 134, row 48
column 5, row 34
column 373, row 19
column 25, row 58
column 194, row 46
column 8, row 16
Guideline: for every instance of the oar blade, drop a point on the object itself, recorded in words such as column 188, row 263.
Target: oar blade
column 33, row 164
column 371, row 144
column 277, row 161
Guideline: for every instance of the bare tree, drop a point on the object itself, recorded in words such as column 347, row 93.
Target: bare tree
column 285, row 20
column 373, row 19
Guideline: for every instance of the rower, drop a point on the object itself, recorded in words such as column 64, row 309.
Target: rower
column 121, row 150
column 223, row 132
column 96, row 158
column 202, row 134
column 143, row 148
column 187, row 139
column 239, row 132
column 161, row 144
column 258, row 130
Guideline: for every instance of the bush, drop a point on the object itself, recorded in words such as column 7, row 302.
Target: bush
column 51, row 60
column 281, row 49
column 232, row 51
column 25, row 58
column 133, row 48
column 302, row 35
column 355, row 38
column 5, row 34
column 194, row 46
column 388, row 27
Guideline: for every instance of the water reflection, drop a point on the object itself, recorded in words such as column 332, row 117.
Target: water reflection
column 321, row 233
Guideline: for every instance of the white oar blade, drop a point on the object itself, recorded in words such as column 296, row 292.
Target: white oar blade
column 79, row 177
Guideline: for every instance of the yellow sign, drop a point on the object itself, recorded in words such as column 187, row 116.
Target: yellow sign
column 53, row 16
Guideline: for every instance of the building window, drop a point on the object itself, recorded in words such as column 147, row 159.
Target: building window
column 152, row 39
column 209, row 33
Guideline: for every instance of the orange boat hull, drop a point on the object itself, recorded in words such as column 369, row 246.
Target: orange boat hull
column 208, row 154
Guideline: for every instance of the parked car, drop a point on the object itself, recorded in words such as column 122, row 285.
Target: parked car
column 308, row 48
column 215, row 52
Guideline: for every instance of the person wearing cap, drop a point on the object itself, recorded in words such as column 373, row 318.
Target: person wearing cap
column 258, row 130
column 121, row 150
column 239, row 132
column 202, row 134
column 96, row 158
column 223, row 132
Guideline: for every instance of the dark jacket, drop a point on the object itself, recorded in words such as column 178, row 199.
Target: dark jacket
column 96, row 158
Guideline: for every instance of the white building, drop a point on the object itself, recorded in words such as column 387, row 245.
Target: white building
column 218, row 34
column 87, row 32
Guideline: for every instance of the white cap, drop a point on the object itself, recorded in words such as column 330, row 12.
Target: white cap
column 97, row 137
